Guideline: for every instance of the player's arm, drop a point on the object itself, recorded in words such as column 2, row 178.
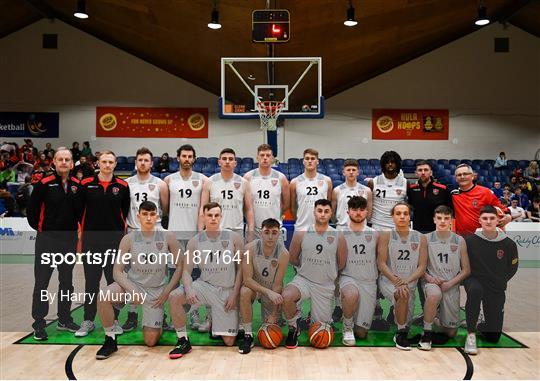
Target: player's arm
column 294, row 203
column 513, row 261
column 382, row 258
column 330, row 189
column 187, row 266
column 285, row 194
column 174, row 249
column 335, row 197
column 283, row 263
column 33, row 210
column 341, row 252
column 497, row 203
column 295, row 248
column 369, row 204
column 370, row 184
column 232, row 300
column 119, row 275
column 465, row 268
column 205, row 199
column 422, row 261
column 164, row 197
column 248, row 210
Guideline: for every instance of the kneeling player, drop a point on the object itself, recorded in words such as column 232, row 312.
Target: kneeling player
column 218, row 254
column 448, row 265
column 402, row 261
column 358, row 280
column 319, row 253
column 263, row 268
column 145, row 281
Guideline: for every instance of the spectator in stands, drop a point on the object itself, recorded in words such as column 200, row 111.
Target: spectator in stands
column 163, row 163
column 23, row 195
column 22, row 169
column 41, row 161
column 497, row 189
column 75, row 151
column 501, row 162
column 29, row 145
column 526, row 187
column 517, row 212
column 8, row 175
column 535, row 192
column 532, row 171
column 507, row 196
column 523, row 200
column 533, row 213
column 28, row 156
column 7, row 203
column 86, row 151
column 85, row 167
column 48, row 151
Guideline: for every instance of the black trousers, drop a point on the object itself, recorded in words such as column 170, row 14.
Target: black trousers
column 48, row 242
column 493, row 305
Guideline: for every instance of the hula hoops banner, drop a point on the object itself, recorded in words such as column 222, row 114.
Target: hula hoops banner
column 151, row 122
column 29, row 124
column 406, row 124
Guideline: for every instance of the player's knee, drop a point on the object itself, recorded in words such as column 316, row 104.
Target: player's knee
column 434, row 295
column 150, row 341
column 349, row 295
column 175, row 296
column 451, row 332
column 290, row 295
column 229, row 340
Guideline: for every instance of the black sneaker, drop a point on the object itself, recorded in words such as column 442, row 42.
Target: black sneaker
column 107, row 349
column 69, row 326
column 246, row 345
column 40, row 334
column 401, row 340
column 337, row 314
column 303, row 323
column 425, row 341
column 292, row 338
column 183, row 347
column 380, row 325
column 131, row 322
column 241, row 334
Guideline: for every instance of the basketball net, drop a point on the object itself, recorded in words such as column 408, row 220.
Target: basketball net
column 269, row 113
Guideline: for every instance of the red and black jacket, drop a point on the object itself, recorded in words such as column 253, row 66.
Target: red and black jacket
column 53, row 206
column 106, row 204
column 424, row 200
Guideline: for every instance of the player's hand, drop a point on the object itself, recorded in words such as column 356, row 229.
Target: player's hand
column 191, row 297
column 274, row 297
column 428, row 278
column 445, row 286
column 272, row 319
column 161, row 300
column 231, row 303
column 398, row 281
column 403, row 291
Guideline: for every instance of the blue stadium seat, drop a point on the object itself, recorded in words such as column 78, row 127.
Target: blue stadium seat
column 363, row 162
column 336, row 183
column 212, row 160
column 475, row 167
column 477, row 161
column 483, row 172
column 375, row 163
column 432, row 162
column 121, row 159
column 197, row 167
column 157, row 174
column 208, row 174
column 294, row 161
column 327, row 161
column 489, row 161
column 248, row 160
column 523, row 164
column 130, row 160
column 512, row 164
column 332, row 170
column 200, row 160
column 163, row 175
column 486, row 165
column 454, row 162
column 174, row 165
column 339, row 162
column 444, row 162
column 466, row 161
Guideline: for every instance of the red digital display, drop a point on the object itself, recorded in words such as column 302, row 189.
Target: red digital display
column 270, row 25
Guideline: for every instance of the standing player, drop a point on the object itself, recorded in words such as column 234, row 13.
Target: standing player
column 319, row 252
column 448, row 265
column 185, row 189
column 218, row 253
column 143, row 186
column 358, row 280
column 146, row 250
column 402, row 259
column 307, row 188
column 106, row 202
column 232, row 193
column 269, row 188
column 263, row 270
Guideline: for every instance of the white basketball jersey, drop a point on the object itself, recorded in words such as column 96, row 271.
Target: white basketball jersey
column 184, row 205
column 142, row 191
column 344, row 193
column 148, row 267
column 216, row 259
column 230, row 195
column 403, row 255
column 318, row 261
column 444, row 259
column 265, row 268
column 386, row 194
column 361, row 254
column 309, row 190
column 266, row 195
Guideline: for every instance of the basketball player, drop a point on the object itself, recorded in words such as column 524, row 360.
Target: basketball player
column 263, row 270
column 447, row 266
column 319, row 252
column 185, row 189
column 145, row 281
column 307, row 188
column 269, row 188
column 351, row 187
column 232, row 193
column 143, row 186
column 402, row 259
column 218, row 252
column 358, row 280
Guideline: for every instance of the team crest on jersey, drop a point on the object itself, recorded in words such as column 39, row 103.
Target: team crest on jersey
column 195, row 183
column 274, row 263
column 224, row 244
column 320, row 183
column 414, row 246
column 453, row 248
column 159, row 245
column 435, row 191
column 151, row 187
column 500, row 254
column 398, row 192
column 73, row 189
column 115, row 190
column 237, row 185
column 368, row 237
column 274, row 183
column 330, row 240
column 475, row 203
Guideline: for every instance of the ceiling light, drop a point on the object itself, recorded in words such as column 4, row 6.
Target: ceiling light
column 214, row 21
column 81, row 10
column 482, row 16
column 351, row 21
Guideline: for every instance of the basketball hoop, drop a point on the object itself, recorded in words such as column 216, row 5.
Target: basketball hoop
column 269, row 112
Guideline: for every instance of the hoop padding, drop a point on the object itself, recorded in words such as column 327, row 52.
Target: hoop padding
column 269, row 112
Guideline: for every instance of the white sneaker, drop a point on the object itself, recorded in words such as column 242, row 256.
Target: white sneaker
column 116, row 328
column 205, row 327
column 470, row 344
column 195, row 320
column 87, row 326
column 348, row 337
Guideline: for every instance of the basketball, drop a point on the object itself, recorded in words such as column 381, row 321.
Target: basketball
column 270, row 335
column 320, row 335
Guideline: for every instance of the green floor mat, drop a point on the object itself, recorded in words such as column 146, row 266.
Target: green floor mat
column 374, row 339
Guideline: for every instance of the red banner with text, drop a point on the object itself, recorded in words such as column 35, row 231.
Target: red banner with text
column 151, row 122
column 388, row 124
